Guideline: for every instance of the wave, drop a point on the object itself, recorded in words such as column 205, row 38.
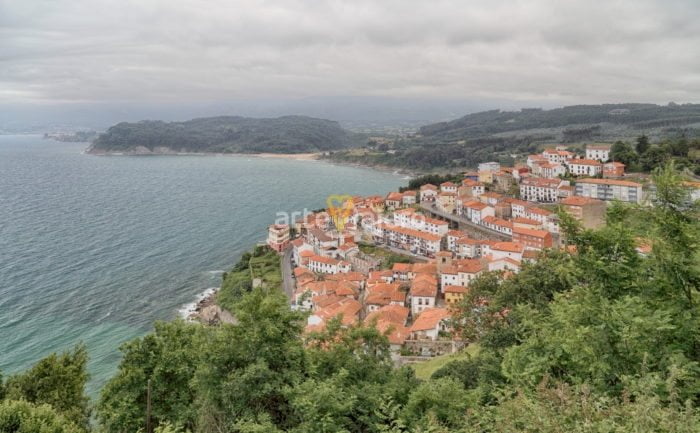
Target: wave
column 189, row 309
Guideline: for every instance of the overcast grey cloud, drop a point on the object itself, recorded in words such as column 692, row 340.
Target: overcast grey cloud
column 562, row 51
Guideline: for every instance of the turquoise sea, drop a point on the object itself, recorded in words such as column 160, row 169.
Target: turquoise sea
column 95, row 249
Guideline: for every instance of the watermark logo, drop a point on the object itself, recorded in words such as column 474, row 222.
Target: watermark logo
column 340, row 209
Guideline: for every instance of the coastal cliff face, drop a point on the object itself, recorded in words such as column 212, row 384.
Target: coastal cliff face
column 288, row 134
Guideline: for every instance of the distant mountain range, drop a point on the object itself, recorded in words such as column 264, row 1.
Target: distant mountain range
column 498, row 135
column 229, row 134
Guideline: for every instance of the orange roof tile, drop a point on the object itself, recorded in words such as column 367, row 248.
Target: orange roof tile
column 578, row 200
column 454, row 289
column 592, row 162
column 429, row 319
column 512, row 247
column 530, row 232
column 610, row 182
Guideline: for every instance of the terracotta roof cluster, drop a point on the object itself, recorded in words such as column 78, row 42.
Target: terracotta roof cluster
column 424, row 285
column 391, row 321
column 347, row 309
column 385, row 294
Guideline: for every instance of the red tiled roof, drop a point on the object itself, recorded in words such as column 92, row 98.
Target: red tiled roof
column 523, row 220
column 531, row 232
column 610, row 182
column 322, row 259
column 454, row 289
column 402, row 267
column 468, row 241
column 429, row 319
column 585, row 162
column 512, row 247
column 578, row 200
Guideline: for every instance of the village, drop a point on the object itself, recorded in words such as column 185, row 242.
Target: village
column 496, row 219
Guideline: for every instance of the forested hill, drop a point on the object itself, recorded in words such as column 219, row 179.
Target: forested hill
column 225, row 134
column 578, row 121
column 497, row 135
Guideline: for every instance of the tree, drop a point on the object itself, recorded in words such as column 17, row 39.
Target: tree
column 443, row 399
column 245, row 369
column 654, row 157
column 26, row 417
column 59, row 381
column 623, row 152
column 168, row 358
column 642, row 144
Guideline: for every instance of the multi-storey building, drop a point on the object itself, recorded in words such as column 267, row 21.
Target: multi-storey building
column 610, row 189
column 541, row 190
column 415, row 241
column 599, row 152
column 532, row 239
column 584, row 167
column 278, row 237
column 589, row 211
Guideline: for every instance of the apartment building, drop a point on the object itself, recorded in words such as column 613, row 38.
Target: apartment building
column 610, row 189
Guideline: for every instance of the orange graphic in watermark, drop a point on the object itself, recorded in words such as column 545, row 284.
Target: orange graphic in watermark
column 340, row 208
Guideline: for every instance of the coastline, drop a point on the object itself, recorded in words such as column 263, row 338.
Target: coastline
column 205, row 310
column 309, row 156
column 318, row 156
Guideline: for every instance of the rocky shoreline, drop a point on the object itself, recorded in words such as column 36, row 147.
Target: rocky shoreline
column 206, row 311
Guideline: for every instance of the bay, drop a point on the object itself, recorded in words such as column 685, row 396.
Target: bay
column 95, row 249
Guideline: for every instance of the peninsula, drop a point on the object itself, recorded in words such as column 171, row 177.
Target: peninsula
column 225, row 134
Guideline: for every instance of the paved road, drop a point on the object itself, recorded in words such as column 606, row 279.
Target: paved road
column 287, row 278
column 465, row 223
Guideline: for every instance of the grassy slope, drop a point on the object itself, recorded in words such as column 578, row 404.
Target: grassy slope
column 426, row 369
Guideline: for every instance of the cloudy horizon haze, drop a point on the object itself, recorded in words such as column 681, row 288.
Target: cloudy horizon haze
column 482, row 54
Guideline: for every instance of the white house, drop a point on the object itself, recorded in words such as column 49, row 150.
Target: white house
column 598, row 152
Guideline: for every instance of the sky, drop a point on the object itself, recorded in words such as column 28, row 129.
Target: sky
column 546, row 52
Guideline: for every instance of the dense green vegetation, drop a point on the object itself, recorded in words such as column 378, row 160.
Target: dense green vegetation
column 288, row 134
column 645, row 156
column 47, row 398
column 261, row 263
column 433, row 179
column 593, row 339
column 497, row 135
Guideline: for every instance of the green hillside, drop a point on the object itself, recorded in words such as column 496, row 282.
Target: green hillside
column 288, row 134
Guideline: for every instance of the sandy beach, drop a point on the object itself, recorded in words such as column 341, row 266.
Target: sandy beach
column 297, row 156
